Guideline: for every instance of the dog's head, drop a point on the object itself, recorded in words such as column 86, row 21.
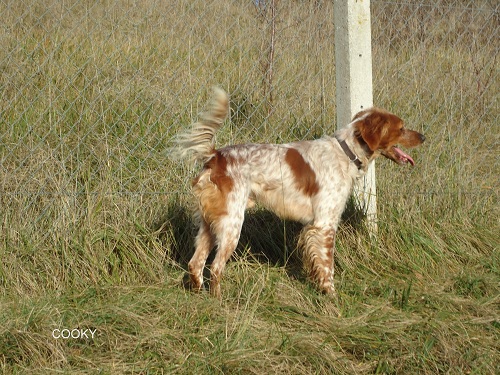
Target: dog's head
column 383, row 131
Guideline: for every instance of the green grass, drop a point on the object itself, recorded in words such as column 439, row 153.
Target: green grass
column 266, row 322
column 95, row 222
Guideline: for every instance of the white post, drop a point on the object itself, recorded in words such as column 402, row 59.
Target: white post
column 353, row 66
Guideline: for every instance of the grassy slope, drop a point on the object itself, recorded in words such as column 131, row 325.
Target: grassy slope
column 87, row 126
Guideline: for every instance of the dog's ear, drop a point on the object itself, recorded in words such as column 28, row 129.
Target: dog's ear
column 371, row 127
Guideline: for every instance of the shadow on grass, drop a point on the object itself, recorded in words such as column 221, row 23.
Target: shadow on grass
column 265, row 238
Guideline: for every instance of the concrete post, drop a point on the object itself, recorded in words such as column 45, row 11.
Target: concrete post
column 353, row 66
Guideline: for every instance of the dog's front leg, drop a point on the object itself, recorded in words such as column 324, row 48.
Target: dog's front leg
column 318, row 247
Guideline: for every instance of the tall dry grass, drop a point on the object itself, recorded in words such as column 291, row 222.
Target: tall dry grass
column 95, row 223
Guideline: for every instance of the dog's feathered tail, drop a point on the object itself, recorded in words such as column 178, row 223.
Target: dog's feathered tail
column 197, row 144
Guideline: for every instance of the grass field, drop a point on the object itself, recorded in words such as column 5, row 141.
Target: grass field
column 95, row 223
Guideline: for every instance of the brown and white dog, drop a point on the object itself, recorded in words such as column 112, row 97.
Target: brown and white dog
column 306, row 181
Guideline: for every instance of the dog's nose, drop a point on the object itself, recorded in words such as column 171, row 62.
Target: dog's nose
column 422, row 137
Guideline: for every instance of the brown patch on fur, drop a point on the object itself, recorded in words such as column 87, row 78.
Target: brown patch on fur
column 212, row 187
column 305, row 178
column 329, row 239
column 218, row 165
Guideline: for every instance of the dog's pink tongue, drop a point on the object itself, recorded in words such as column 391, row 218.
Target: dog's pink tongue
column 403, row 156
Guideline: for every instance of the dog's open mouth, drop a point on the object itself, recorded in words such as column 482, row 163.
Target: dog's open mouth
column 399, row 156
column 403, row 157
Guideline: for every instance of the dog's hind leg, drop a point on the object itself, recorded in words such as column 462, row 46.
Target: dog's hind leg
column 203, row 245
column 227, row 232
